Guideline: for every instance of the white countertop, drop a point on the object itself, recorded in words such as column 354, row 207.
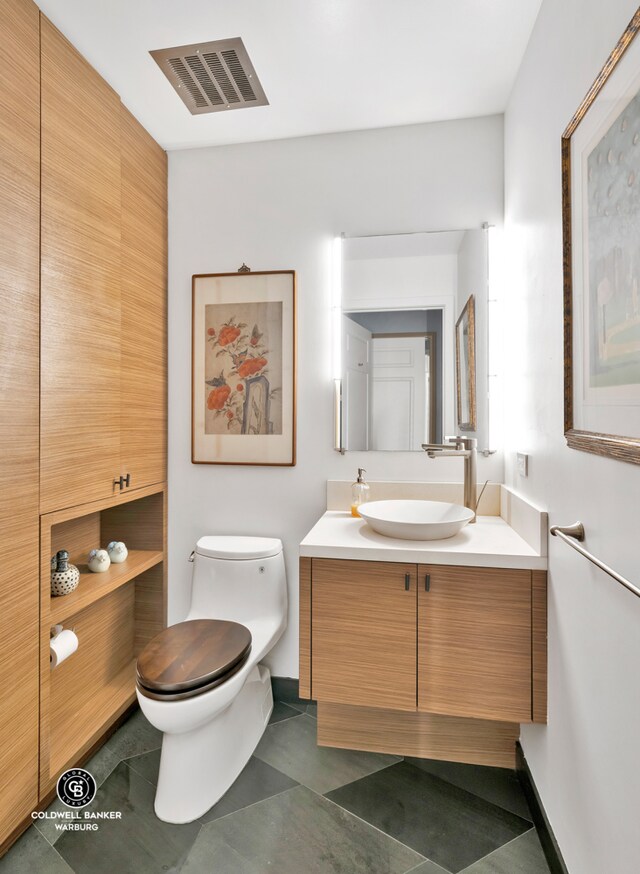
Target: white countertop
column 490, row 542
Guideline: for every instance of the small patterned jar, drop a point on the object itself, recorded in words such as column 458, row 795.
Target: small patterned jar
column 64, row 576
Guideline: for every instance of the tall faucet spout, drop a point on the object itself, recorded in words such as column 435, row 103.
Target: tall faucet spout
column 466, row 448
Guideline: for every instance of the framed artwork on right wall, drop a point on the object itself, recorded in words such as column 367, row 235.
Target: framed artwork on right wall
column 601, row 231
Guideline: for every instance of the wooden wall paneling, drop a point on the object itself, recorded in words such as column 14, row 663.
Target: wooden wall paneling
column 80, row 278
column 19, row 301
column 304, row 662
column 144, row 305
column 364, row 633
column 474, row 642
column 426, row 735
column 539, row 645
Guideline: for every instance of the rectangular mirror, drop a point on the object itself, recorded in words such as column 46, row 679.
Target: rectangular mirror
column 413, row 340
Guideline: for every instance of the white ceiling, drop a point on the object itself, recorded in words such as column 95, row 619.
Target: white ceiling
column 326, row 65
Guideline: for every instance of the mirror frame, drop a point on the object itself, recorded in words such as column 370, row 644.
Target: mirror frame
column 467, row 419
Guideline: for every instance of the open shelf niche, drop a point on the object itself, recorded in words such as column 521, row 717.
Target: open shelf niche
column 114, row 614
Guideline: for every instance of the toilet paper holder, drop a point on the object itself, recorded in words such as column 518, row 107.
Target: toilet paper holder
column 56, row 629
column 63, row 642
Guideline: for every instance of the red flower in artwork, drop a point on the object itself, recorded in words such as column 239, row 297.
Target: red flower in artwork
column 211, row 332
column 229, row 414
column 218, row 397
column 240, row 387
column 254, row 341
column 228, row 333
column 251, row 366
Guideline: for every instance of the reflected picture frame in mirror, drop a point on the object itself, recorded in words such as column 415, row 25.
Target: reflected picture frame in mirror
column 466, row 368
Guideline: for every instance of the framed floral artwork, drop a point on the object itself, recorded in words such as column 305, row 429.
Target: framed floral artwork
column 244, row 368
column 601, row 230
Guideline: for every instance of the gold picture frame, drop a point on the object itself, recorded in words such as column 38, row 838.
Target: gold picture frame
column 243, row 407
column 466, row 367
column 600, row 162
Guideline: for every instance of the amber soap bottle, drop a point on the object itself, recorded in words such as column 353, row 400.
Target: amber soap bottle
column 359, row 493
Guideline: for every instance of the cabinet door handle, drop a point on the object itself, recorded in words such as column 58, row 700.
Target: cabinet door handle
column 407, row 582
column 123, row 481
column 427, row 582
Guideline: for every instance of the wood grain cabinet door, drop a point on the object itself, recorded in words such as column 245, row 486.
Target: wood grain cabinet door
column 19, row 234
column 364, row 633
column 143, row 440
column 474, row 642
column 80, row 278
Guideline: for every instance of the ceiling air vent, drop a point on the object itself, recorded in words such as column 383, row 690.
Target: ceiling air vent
column 212, row 76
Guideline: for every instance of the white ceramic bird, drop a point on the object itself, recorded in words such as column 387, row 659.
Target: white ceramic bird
column 117, row 551
column 98, row 561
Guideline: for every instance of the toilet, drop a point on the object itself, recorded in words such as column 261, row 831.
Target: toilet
column 201, row 683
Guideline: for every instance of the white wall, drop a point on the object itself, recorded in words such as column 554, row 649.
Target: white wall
column 586, row 763
column 278, row 205
column 374, row 282
column 472, row 279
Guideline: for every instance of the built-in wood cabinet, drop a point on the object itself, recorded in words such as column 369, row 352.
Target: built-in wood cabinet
column 364, row 633
column 143, row 332
column 19, row 231
column 474, row 642
column 83, row 372
column 80, row 279
column 114, row 615
column 103, row 290
column 401, row 657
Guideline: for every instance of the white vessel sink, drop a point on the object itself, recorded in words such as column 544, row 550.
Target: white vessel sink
column 415, row 520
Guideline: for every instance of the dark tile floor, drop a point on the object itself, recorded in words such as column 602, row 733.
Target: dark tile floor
column 295, row 808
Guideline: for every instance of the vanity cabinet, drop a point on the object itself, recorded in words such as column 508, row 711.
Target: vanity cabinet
column 364, row 633
column 474, row 642
column 420, row 659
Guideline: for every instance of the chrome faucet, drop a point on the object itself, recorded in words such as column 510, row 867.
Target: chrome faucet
column 464, row 447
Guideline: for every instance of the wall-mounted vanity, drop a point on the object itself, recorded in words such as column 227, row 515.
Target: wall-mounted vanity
column 435, row 648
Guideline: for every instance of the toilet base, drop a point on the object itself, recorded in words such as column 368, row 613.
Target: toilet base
column 197, row 767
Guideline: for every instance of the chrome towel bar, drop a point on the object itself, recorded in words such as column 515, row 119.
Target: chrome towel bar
column 573, row 535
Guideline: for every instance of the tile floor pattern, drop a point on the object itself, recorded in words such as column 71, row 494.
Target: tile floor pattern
column 295, row 809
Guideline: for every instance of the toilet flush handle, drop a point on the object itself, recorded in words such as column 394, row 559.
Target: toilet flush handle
column 191, row 557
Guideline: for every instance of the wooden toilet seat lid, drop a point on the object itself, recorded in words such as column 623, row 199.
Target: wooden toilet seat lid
column 193, row 654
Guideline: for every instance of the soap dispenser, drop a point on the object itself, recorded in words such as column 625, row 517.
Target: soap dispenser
column 359, row 493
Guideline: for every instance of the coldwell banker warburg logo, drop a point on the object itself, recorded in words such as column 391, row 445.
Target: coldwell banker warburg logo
column 76, row 789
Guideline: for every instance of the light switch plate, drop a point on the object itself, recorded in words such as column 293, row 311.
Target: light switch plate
column 523, row 464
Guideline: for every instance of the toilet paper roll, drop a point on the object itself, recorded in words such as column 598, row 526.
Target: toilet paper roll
column 62, row 646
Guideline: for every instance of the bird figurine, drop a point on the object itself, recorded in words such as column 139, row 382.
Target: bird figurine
column 118, row 552
column 98, row 561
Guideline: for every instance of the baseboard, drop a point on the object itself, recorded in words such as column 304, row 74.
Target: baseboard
column 540, row 820
column 287, row 689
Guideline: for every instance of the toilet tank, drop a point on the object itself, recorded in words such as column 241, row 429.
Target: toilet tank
column 238, row 578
